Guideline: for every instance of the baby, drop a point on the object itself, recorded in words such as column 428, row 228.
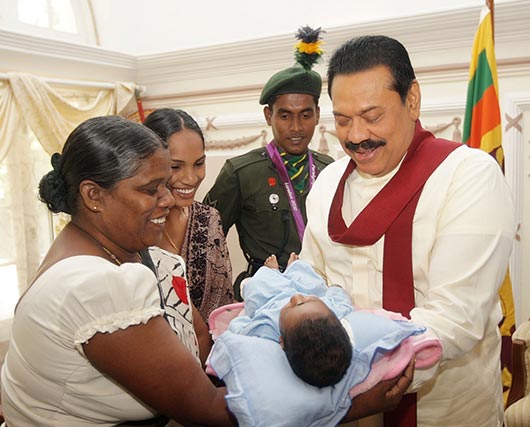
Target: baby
column 303, row 316
column 266, row 388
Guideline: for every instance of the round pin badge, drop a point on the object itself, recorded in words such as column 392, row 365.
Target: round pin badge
column 274, row 199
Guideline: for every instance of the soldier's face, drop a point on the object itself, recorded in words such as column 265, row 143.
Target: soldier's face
column 293, row 118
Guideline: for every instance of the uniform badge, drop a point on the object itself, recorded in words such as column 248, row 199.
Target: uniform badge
column 274, row 199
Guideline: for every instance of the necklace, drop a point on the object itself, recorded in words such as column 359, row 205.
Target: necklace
column 109, row 253
column 185, row 212
column 171, row 242
column 105, row 249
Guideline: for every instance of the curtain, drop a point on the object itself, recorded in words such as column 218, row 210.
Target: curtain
column 35, row 120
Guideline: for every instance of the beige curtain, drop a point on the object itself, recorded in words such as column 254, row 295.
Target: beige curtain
column 30, row 108
column 48, row 113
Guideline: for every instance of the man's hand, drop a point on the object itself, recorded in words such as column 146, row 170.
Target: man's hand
column 382, row 397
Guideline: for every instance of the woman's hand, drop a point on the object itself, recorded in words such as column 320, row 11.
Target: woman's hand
column 382, row 397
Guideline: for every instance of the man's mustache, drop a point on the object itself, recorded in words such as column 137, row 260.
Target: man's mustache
column 368, row 144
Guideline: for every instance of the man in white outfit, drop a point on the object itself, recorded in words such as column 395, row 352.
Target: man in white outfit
column 414, row 224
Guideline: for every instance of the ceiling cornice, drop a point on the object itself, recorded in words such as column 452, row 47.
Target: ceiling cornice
column 43, row 47
column 433, row 74
column 449, row 34
column 420, row 34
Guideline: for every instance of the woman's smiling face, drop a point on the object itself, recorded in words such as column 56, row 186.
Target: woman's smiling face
column 188, row 165
column 134, row 211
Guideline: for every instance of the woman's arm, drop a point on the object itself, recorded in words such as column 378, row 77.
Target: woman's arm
column 203, row 334
column 383, row 397
column 151, row 363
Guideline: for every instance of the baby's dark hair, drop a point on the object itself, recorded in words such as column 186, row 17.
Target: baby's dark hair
column 318, row 350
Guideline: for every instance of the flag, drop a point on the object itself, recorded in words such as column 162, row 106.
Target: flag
column 482, row 129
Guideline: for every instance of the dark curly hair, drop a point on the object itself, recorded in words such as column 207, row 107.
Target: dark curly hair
column 318, row 350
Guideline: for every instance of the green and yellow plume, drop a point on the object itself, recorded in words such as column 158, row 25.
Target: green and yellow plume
column 308, row 50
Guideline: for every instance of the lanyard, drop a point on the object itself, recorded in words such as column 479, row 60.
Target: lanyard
column 277, row 161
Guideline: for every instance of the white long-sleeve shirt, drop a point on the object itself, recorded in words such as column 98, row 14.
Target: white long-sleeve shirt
column 463, row 232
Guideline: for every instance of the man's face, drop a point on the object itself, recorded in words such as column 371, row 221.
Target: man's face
column 293, row 118
column 368, row 110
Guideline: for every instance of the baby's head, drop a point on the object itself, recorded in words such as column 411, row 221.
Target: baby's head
column 315, row 342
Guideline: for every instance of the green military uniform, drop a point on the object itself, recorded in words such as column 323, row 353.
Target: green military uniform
column 248, row 192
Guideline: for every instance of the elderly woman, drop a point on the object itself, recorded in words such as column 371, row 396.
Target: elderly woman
column 90, row 345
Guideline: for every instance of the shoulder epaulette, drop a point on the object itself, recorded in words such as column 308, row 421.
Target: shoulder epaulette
column 254, row 156
column 322, row 158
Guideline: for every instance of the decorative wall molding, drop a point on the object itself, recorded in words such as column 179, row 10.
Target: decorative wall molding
column 231, row 121
column 42, row 47
column 231, row 144
column 513, row 122
column 513, row 141
column 197, row 75
column 437, row 106
column 209, row 123
column 445, row 73
column 421, row 34
column 454, row 123
column 323, row 145
column 204, row 96
column 446, row 106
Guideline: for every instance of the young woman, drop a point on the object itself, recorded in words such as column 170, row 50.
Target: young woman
column 193, row 230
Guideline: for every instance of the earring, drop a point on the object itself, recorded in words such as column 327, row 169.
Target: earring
column 95, row 208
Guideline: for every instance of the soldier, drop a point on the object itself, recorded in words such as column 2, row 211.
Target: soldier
column 263, row 192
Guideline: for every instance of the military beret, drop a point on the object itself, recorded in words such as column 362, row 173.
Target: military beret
column 300, row 78
column 294, row 79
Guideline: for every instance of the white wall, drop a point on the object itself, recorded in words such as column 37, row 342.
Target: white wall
column 140, row 27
